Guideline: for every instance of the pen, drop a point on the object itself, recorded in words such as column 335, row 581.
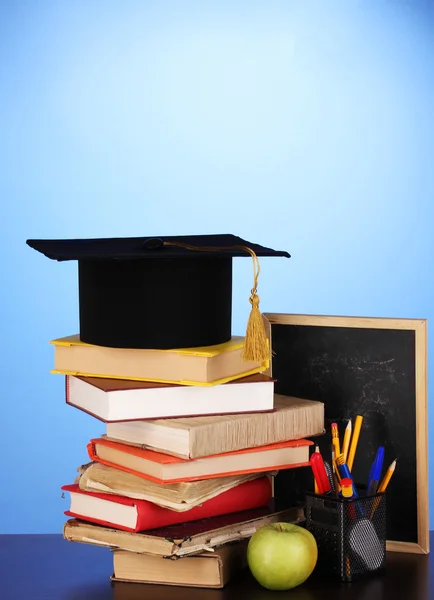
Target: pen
column 375, row 473
column 331, row 478
column 320, row 474
column 388, row 476
column 335, row 439
column 347, row 438
column 354, row 441
column 316, row 489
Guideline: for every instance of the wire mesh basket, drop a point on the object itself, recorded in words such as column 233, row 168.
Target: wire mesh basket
column 350, row 533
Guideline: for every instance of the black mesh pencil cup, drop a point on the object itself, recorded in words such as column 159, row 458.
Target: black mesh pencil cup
column 350, row 533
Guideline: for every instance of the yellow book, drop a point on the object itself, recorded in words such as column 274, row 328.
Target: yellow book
column 210, row 365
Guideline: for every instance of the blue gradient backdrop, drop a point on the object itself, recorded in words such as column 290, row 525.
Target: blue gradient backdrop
column 306, row 126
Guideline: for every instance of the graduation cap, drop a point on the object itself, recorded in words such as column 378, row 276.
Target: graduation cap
column 161, row 292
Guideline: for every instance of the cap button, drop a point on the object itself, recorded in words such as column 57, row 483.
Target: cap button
column 152, row 244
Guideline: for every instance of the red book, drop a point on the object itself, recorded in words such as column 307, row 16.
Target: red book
column 134, row 515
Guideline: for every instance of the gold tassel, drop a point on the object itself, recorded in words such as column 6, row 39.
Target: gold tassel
column 256, row 345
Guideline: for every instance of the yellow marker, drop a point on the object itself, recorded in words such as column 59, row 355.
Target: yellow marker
column 335, row 439
column 354, row 442
column 347, row 487
column 347, row 438
column 388, row 476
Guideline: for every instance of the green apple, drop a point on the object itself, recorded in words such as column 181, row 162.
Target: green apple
column 281, row 556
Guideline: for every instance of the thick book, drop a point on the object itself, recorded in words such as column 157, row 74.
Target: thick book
column 134, row 515
column 183, row 539
column 181, row 497
column 164, row 468
column 112, row 400
column 206, row 366
column 206, row 570
column 292, row 419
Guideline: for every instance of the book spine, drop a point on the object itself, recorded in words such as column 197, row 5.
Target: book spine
column 67, row 389
column 91, row 450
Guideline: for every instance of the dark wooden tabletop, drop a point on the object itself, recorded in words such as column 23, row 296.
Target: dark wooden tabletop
column 47, row 567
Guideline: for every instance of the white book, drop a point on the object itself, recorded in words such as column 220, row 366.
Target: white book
column 113, row 400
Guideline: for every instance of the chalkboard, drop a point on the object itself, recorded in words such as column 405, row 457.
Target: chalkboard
column 370, row 367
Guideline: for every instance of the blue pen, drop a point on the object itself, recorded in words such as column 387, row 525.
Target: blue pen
column 375, row 473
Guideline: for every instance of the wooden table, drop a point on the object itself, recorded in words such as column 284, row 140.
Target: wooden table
column 47, row 567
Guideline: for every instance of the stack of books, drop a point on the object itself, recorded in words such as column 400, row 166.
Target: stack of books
column 177, row 458
column 194, row 431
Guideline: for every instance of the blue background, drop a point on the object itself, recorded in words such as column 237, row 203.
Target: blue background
column 306, row 126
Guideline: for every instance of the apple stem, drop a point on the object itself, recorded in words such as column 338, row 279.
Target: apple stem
column 280, row 527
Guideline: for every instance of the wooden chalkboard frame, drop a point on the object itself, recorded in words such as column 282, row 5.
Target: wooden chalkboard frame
column 419, row 327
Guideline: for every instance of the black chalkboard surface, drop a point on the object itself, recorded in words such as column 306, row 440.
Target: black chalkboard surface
column 370, row 367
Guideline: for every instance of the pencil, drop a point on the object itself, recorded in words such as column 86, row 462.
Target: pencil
column 388, row 476
column 354, row 441
column 347, row 438
column 335, row 439
column 383, row 486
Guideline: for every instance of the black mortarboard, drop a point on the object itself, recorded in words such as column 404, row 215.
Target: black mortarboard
column 162, row 293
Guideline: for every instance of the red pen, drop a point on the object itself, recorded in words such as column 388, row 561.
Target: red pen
column 320, row 473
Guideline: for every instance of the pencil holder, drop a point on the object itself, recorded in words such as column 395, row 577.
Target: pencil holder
column 350, row 533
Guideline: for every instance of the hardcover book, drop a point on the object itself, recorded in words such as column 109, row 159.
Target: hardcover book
column 181, row 497
column 206, row 570
column 183, row 539
column 164, row 468
column 112, row 400
column 210, row 365
column 292, row 419
column 140, row 515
